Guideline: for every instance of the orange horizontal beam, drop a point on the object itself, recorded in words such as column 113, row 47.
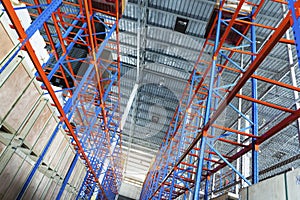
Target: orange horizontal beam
column 265, row 103
column 233, row 131
column 255, row 24
column 276, row 82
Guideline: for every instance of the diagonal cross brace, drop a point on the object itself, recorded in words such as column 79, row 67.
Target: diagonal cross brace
column 228, row 163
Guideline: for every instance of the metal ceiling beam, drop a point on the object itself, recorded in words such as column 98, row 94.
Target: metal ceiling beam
column 137, row 81
column 134, row 158
column 129, row 104
column 203, row 22
column 168, row 107
column 152, row 72
column 143, row 165
column 183, row 48
column 142, row 150
column 153, row 128
column 260, row 69
column 164, row 98
column 163, row 28
column 194, row 51
column 188, row 62
column 134, row 178
column 137, row 166
column 159, row 136
column 150, row 144
column 136, row 148
column 174, row 13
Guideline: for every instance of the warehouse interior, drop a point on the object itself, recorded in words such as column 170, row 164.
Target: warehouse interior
column 150, row 99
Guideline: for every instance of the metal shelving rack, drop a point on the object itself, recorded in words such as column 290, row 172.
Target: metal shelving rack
column 90, row 114
column 191, row 162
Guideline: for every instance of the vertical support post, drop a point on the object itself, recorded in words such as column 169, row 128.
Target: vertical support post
column 239, row 125
column 294, row 5
column 183, row 130
column 165, row 169
column 213, row 185
column 207, row 112
column 255, row 171
column 138, row 41
column 245, row 159
column 208, row 179
column 293, row 72
column 63, row 186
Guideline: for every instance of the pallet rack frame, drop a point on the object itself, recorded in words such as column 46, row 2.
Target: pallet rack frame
column 99, row 140
column 189, row 171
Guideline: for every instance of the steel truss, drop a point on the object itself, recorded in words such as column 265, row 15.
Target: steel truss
column 90, row 113
column 191, row 162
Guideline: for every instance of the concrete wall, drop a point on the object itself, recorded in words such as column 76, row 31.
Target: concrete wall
column 130, row 191
column 282, row 187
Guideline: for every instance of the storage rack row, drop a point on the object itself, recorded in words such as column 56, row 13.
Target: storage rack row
column 200, row 156
column 62, row 113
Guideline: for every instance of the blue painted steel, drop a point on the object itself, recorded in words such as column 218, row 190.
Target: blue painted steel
column 242, row 46
column 231, row 61
column 113, row 79
column 42, row 18
column 208, row 181
column 28, row 7
column 90, row 68
column 183, row 131
column 174, row 181
column 60, row 90
column 207, row 110
column 296, row 28
column 71, row 101
column 36, row 25
column 38, row 162
column 109, row 192
column 66, row 33
column 18, row 48
column 234, row 108
column 162, row 173
column 69, row 73
column 84, row 186
column 73, row 60
column 64, row 184
column 164, row 170
column 239, row 33
column 67, row 108
column 97, row 162
column 228, row 163
column 63, row 57
column 81, row 190
column 225, row 86
column 255, row 171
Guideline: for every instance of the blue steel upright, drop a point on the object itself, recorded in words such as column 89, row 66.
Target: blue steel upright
column 207, row 111
column 294, row 5
column 255, row 170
